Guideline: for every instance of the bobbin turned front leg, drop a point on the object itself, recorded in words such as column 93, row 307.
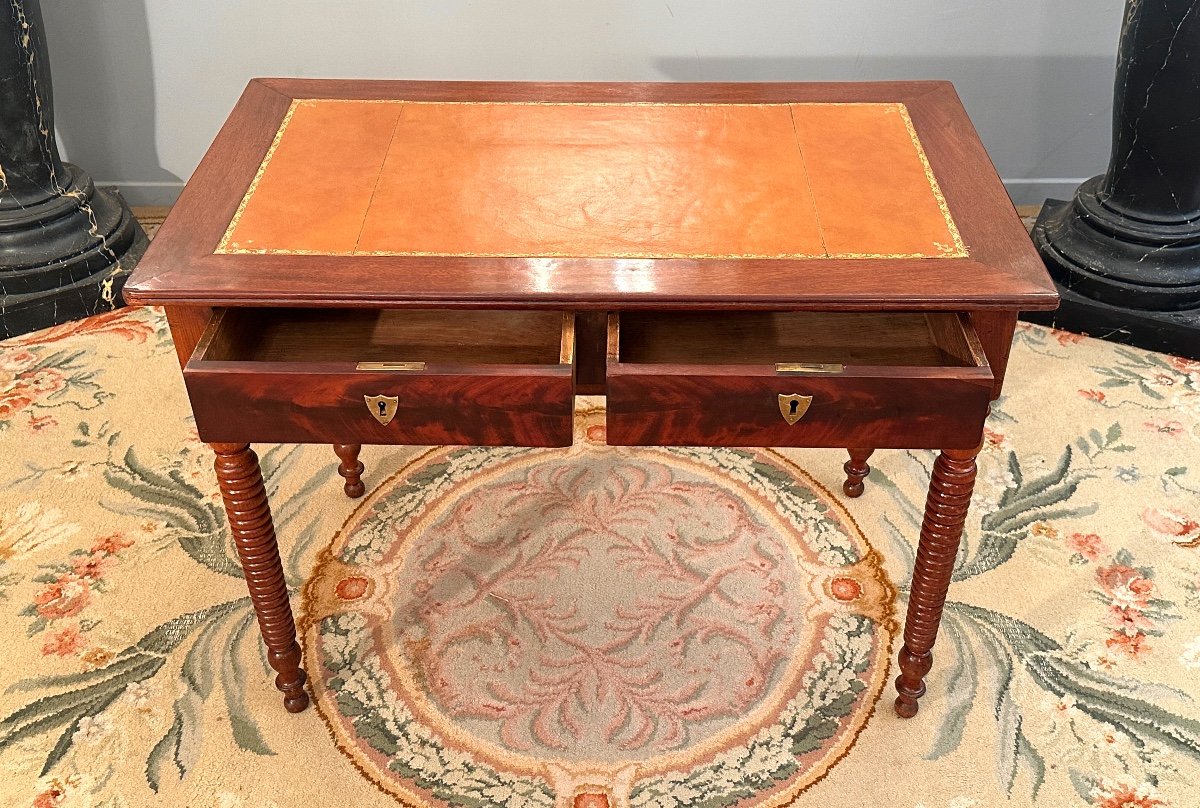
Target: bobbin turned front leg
column 249, row 515
column 350, row 468
column 856, row 469
column 945, row 512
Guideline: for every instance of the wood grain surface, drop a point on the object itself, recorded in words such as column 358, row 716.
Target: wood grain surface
column 765, row 338
column 909, row 381
column 1002, row 272
column 289, row 376
column 361, row 335
column 946, row 509
column 249, row 514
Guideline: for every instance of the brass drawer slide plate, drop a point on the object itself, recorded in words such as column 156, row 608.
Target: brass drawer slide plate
column 788, row 368
column 390, row 366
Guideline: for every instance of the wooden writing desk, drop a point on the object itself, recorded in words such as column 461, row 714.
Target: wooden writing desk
column 731, row 264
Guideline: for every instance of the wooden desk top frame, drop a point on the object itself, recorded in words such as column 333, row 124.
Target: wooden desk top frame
column 1002, row 270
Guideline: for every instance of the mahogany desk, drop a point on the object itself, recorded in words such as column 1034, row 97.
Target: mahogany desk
column 731, row 264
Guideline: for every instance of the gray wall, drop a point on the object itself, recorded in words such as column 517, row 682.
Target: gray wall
column 141, row 86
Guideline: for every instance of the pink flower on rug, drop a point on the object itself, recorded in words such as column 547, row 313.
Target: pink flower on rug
column 64, row 597
column 26, row 387
column 1125, row 794
column 68, row 586
column 45, row 381
column 13, row 403
column 14, row 361
column 1087, row 545
column 1173, row 524
column 54, row 796
column 1094, row 395
column 90, row 567
column 352, row 587
column 111, row 545
column 845, row 589
column 39, row 422
column 1066, row 337
column 1131, row 645
column 125, row 323
column 13, row 364
column 1133, row 606
column 1129, row 620
column 993, row 438
column 63, row 643
column 1125, row 586
column 1171, row 428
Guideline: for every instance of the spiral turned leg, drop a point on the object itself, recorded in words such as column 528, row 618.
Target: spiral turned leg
column 249, row 515
column 856, row 469
column 350, row 468
column 945, row 512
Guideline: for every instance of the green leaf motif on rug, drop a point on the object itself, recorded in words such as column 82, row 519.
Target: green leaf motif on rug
column 224, row 632
column 90, row 692
column 1127, row 706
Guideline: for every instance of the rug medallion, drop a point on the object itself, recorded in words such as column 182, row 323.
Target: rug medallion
column 595, row 626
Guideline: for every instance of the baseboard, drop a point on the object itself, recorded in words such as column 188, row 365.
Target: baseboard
column 1036, row 190
column 1023, row 191
column 146, row 194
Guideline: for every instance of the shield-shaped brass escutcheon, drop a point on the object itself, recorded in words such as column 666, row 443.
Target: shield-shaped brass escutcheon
column 382, row 407
column 792, row 406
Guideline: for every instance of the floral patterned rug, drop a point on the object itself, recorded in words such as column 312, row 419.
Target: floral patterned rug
column 597, row 625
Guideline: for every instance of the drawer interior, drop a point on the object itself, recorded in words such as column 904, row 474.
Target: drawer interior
column 938, row 339
column 385, row 335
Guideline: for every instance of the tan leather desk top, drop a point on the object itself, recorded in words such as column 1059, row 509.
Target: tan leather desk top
column 595, row 180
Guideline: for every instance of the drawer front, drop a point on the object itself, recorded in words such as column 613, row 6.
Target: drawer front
column 492, row 407
column 820, row 379
column 383, row 377
column 902, row 408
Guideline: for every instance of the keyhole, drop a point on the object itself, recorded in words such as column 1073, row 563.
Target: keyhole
column 382, row 408
column 795, row 404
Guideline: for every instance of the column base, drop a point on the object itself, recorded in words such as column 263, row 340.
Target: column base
column 67, row 257
column 1173, row 332
column 1139, row 287
column 1119, row 260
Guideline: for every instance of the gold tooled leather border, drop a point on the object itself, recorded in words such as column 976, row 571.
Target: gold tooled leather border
column 222, row 247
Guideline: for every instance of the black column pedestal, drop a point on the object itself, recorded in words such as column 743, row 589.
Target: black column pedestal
column 1063, row 238
column 1174, row 332
column 66, row 247
column 1125, row 253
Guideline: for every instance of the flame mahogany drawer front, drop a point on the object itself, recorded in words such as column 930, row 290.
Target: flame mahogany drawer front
column 425, row 377
column 884, row 380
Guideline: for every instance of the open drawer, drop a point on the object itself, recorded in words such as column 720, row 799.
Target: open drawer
column 492, row 378
column 848, row 379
